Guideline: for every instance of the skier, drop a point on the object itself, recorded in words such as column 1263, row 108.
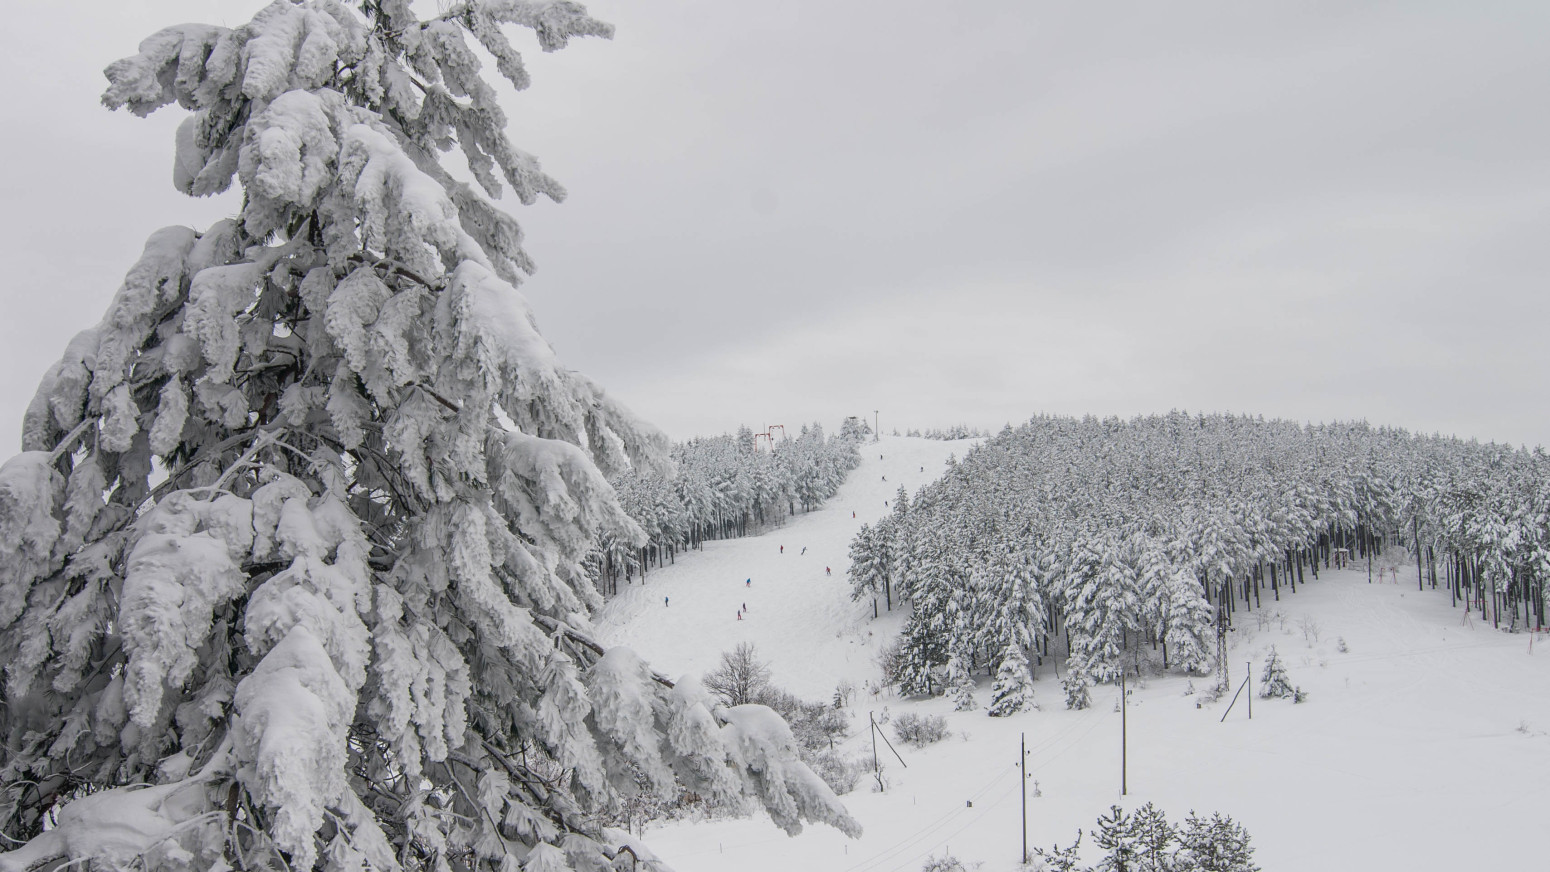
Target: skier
column 852, row 514
column 739, row 616
column 826, row 571
column 885, row 478
column 804, row 550
column 664, row 602
column 745, row 607
column 748, row 583
column 783, row 549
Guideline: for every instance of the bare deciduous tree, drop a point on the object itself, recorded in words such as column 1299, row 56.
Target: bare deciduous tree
column 741, row 678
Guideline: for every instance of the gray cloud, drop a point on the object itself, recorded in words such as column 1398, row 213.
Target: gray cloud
column 952, row 214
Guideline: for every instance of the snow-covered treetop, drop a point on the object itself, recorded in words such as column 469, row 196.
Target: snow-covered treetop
column 299, row 528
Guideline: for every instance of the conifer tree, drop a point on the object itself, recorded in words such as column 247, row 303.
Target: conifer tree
column 1058, row 859
column 868, row 562
column 1013, row 690
column 297, row 535
column 1075, row 686
column 1155, row 838
column 960, row 684
column 1217, row 844
column 1273, row 680
column 1118, row 838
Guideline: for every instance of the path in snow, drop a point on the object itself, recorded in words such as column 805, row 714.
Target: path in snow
column 802, row 621
column 1424, row 746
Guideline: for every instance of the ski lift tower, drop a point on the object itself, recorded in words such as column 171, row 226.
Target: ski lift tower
column 769, row 433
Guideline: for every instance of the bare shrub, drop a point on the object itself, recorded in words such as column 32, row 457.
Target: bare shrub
column 920, row 730
column 1310, row 629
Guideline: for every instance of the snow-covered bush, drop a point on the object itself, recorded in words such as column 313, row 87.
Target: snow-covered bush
column 298, row 533
column 945, row 863
column 815, row 725
column 840, row 771
column 920, row 730
column 1210, row 695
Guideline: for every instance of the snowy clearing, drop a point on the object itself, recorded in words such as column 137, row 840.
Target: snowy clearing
column 1426, row 745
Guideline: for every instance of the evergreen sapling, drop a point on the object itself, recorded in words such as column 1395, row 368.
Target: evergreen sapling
column 1058, row 859
column 1075, row 686
column 1119, row 839
column 1273, row 680
column 1217, row 844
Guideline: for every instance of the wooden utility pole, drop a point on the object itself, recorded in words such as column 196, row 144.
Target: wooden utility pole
column 877, row 770
column 876, row 433
column 1022, row 765
column 1123, row 755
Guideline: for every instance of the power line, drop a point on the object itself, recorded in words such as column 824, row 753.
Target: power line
column 947, row 839
column 889, row 853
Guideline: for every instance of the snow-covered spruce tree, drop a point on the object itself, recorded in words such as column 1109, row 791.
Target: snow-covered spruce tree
column 290, row 567
column 1273, row 680
column 868, row 571
column 1075, row 686
column 1014, row 686
column 960, row 684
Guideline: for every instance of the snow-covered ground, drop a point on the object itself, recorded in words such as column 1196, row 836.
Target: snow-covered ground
column 1425, row 745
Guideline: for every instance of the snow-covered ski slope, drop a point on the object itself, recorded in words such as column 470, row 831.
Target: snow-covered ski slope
column 802, row 621
column 1424, row 746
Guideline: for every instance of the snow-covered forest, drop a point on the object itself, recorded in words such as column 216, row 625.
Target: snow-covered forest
column 292, row 567
column 1109, row 541
column 723, row 486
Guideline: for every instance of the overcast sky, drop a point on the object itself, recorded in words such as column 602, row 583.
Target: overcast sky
column 782, row 212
